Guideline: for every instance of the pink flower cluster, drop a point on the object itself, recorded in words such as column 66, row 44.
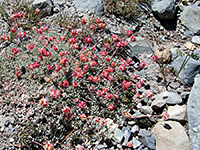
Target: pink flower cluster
column 33, row 65
column 16, row 15
column 54, row 93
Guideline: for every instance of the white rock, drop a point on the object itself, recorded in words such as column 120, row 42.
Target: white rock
column 177, row 112
column 170, row 135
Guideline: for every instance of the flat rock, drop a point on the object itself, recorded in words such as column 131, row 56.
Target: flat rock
column 178, row 113
column 164, row 9
column 190, row 18
column 165, row 98
column 189, row 71
column 193, row 111
column 146, row 137
column 139, row 46
column 170, row 135
column 95, row 6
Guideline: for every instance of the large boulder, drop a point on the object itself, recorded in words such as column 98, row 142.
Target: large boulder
column 95, row 6
column 164, row 9
column 190, row 18
column 170, row 135
column 193, row 111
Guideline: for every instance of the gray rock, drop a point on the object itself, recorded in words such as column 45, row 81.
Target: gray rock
column 45, row 6
column 164, row 9
column 139, row 46
column 136, row 143
column 170, row 135
column 118, row 135
column 147, row 138
column 95, row 6
column 190, row 18
column 147, row 110
column 127, row 134
column 196, row 39
column 178, row 113
column 158, row 103
column 135, row 129
column 165, row 98
column 193, row 111
column 188, row 33
column 190, row 70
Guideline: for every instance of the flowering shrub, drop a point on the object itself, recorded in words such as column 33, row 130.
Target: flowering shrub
column 82, row 86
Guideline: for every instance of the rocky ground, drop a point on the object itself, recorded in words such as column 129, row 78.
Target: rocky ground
column 172, row 30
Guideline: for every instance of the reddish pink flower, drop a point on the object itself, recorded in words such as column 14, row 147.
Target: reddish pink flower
column 17, row 73
column 74, row 33
column 165, row 115
column 137, row 95
column 108, row 96
column 113, row 64
column 43, row 102
column 107, row 59
column 92, row 88
column 55, row 48
column 49, row 146
column 104, row 53
column 129, row 33
column 95, row 79
column 154, row 58
column 93, row 63
column 15, row 51
column 13, row 30
column 111, row 107
column 65, row 83
column 86, row 67
column 99, row 93
column 30, row 46
column 81, row 105
column 115, row 38
column 98, row 20
column 66, row 110
column 62, row 38
column 83, row 21
column 129, row 144
column 126, row 84
column 92, row 26
column 119, row 44
column 49, row 67
column 110, row 78
column 133, row 39
column 116, row 96
column 101, row 25
column 57, row 67
column 148, row 94
column 37, row 10
column 55, row 94
column 55, row 75
column 138, row 85
column 40, row 58
column 3, row 37
column 122, row 67
column 124, row 43
column 75, row 85
column 142, row 64
column 127, row 115
column 88, row 40
column 107, row 46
